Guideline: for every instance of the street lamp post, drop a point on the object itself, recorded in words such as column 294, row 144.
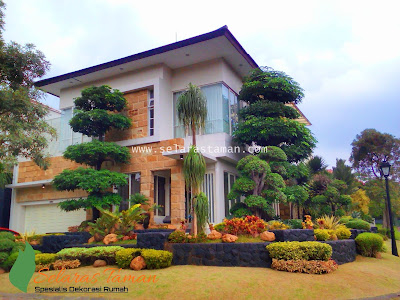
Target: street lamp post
column 385, row 171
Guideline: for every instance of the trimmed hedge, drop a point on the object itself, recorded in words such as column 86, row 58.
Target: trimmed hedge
column 7, row 235
column 124, row 257
column 45, row 258
column 155, row 259
column 358, row 224
column 305, row 266
column 13, row 257
column 300, row 250
column 369, row 244
column 88, row 255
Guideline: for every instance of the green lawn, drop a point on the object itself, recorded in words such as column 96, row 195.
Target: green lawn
column 396, row 231
column 366, row 277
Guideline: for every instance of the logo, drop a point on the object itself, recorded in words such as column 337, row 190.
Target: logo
column 256, row 149
column 23, row 268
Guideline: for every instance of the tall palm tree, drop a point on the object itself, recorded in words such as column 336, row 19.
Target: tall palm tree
column 192, row 112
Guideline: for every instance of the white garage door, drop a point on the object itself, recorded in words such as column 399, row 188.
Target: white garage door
column 49, row 218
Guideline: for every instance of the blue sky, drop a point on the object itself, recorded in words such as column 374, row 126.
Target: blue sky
column 345, row 54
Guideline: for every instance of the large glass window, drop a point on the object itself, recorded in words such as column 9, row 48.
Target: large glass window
column 131, row 188
column 221, row 107
column 67, row 135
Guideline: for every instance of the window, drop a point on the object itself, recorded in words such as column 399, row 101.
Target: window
column 128, row 190
column 229, row 180
column 208, row 189
column 222, row 108
column 67, row 135
column 151, row 112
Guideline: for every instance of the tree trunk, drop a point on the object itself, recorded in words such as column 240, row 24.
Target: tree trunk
column 193, row 135
column 194, row 217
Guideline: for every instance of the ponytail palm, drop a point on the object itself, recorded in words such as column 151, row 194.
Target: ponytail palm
column 194, row 168
column 192, row 110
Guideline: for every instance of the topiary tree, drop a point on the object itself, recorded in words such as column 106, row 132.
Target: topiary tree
column 268, row 120
column 97, row 111
column 260, row 181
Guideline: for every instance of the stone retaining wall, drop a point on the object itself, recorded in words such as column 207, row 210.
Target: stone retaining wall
column 300, row 235
column 221, row 254
column 245, row 254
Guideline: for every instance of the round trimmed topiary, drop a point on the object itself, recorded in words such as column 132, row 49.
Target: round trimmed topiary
column 369, row 244
column 358, row 224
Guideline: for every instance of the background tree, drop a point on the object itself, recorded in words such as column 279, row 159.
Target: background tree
column 360, row 201
column 192, row 112
column 369, row 150
column 260, row 182
column 97, row 111
column 316, row 164
column 344, row 173
column 23, row 131
column 267, row 120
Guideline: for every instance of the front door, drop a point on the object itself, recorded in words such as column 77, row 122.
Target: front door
column 162, row 198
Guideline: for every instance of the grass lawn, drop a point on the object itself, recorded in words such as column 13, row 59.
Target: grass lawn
column 366, row 277
column 396, row 231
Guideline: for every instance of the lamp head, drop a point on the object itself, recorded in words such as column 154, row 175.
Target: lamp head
column 385, row 168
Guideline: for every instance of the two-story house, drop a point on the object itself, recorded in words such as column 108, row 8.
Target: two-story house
column 151, row 82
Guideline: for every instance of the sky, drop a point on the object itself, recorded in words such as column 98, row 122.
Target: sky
column 344, row 54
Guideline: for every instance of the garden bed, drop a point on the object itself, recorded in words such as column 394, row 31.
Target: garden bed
column 244, row 254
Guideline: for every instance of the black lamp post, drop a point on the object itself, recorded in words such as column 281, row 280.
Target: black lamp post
column 385, row 171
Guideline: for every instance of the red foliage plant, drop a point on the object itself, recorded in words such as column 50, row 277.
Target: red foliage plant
column 249, row 225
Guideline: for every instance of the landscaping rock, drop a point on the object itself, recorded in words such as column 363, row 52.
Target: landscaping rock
column 110, row 238
column 125, row 238
column 229, row 238
column 99, row 263
column 2, row 271
column 267, row 236
column 91, row 240
column 98, row 237
column 214, row 235
column 137, row 263
column 139, row 227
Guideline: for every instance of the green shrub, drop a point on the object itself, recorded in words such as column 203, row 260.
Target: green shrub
column 157, row 259
column 345, row 219
column 124, row 257
column 177, row 237
column 3, row 257
column 358, row 224
column 305, row 266
column 343, row 233
column 339, row 213
column 6, row 245
column 18, row 246
column 294, row 223
column 220, row 227
column 367, row 218
column 321, row 234
column 384, row 232
column 89, row 255
column 7, row 235
column 369, row 244
column 300, row 250
column 45, row 258
column 12, row 258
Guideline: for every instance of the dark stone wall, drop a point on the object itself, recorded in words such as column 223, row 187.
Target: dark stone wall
column 152, row 240
column 55, row 243
column 343, row 251
column 221, row 254
column 300, row 235
column 355, row 232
